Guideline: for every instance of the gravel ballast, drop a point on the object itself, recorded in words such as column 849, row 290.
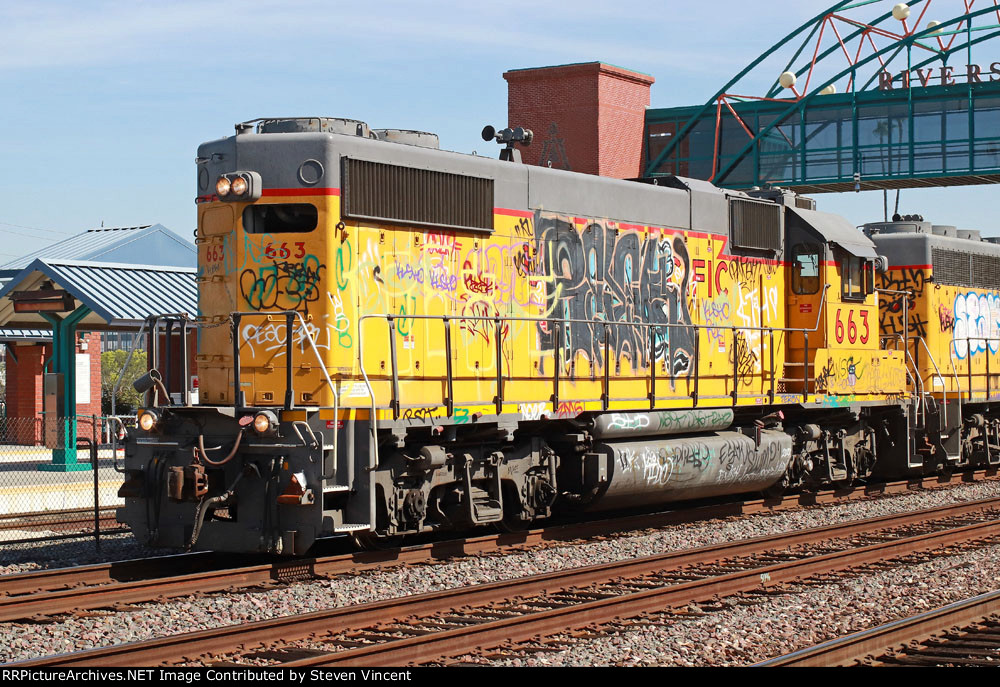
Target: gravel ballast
column 28, row 556
column 744, row 635
column 751, row 634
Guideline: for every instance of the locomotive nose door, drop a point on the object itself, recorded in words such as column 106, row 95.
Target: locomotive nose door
column 808, row 260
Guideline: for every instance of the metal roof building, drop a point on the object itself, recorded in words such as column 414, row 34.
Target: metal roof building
column 148, row 244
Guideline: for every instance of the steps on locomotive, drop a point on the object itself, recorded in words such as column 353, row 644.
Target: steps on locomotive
column 795, row 368
column 838, row 472
column 485, row 508
column 792, row 378
column 947, row 442
column 351, row 527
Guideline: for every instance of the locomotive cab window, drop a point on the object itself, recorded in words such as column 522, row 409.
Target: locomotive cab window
column 805, row 268
column 852, row 278
column 281, row 218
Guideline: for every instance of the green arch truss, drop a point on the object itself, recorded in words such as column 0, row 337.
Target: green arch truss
column 913, row 111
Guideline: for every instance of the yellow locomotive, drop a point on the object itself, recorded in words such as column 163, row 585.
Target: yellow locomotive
column 397, row 339
column 941, row 305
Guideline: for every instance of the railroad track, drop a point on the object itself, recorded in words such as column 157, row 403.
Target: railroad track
column 435, row 626
column 37, row 594
column 46, row 593
column 959, row 634
column 57, row 520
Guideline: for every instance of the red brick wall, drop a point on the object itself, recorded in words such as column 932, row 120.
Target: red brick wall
column 93, row 340
column 586, row 117
column 24, row 393
column 25, row 389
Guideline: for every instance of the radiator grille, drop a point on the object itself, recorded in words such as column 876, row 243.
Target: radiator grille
column 394, row 193
column 965, row 269
column 755, row 225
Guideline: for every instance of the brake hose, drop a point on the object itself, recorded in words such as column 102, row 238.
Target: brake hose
column 205, row 505
column 203, row 455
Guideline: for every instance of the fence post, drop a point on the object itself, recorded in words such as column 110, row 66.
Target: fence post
column 95, row 463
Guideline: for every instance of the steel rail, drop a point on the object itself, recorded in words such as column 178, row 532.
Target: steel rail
column 225, row 639
column 37, row 581
column 63, row 524
column 851, row 649
column 64, row 590
column 53, row 517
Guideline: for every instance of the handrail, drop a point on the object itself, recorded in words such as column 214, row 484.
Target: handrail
column 390, row 319
column 559, row 321
column 958, row 382
column 292, row 314
column 175, row 316
column 114, row 441
column 918, row 382
column 234, row 318
column 920, row 385
column 308, row 336
column 970, row 355
column 937, row 371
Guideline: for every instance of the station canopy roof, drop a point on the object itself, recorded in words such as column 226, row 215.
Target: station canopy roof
column 119, row 296
column 9, row 336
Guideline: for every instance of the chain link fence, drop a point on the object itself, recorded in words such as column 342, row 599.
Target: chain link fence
column 59, row 477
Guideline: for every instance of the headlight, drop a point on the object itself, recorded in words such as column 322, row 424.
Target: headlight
column 148, row 420
column 238, row 186
column 265, row 422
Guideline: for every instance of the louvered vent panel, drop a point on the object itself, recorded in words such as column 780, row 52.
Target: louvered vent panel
column 755, row 225
column 394, row 193
column 951, row 267
column 965, row 269
column 986, row 271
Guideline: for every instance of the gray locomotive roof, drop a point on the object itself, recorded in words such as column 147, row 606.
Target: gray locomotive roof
column 836, row 229
column 915, row 249
column 277, row 156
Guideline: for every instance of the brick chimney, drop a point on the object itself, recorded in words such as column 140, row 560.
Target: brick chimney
column 586, row 117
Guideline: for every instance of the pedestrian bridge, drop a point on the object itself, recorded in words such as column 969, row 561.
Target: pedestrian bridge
column 906, row 99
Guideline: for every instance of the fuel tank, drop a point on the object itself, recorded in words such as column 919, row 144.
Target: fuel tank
column 634, row 473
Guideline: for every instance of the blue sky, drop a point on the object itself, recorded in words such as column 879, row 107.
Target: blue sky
column 105, row 102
